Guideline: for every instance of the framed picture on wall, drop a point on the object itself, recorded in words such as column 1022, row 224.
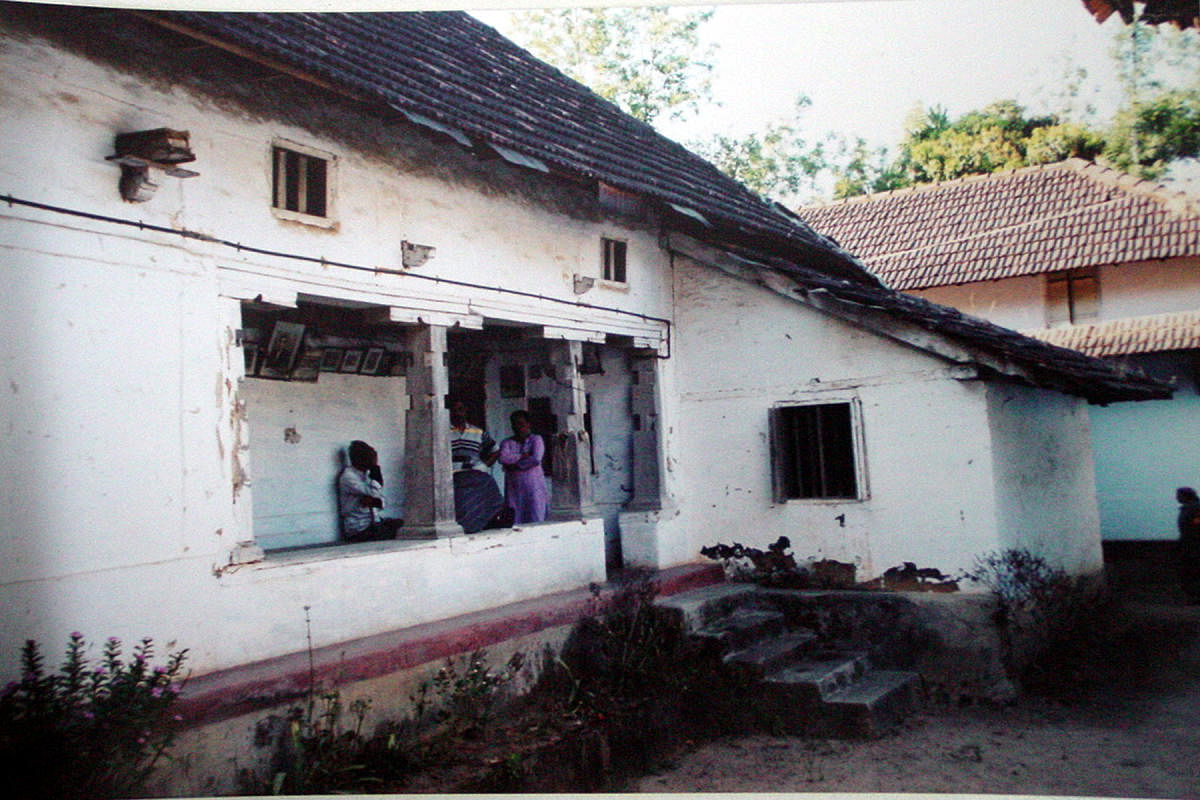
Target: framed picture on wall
column 280, row 357
column 308, row 367
column 331, row 359
column 351, row 360
column 372, row 361
column 250, row 353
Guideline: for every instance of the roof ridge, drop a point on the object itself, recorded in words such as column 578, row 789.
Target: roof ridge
column 918, row 188
column 1179, row 202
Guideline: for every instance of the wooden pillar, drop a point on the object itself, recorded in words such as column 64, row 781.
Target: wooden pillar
column 571, row 493
column 647, row 491
column 428, row 476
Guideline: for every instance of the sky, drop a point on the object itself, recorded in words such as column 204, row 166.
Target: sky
column 867, row 64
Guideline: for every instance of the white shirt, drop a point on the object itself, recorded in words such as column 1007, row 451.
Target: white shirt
column 353, row 485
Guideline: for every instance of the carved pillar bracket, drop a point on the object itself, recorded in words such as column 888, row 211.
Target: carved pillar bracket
column 571, row 495
column 428, row 477
column 647, row 492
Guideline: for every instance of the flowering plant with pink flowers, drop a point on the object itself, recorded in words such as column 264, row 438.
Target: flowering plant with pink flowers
column 88, row 730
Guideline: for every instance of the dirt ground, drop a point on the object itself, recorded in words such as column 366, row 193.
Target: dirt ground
column 1132, row 731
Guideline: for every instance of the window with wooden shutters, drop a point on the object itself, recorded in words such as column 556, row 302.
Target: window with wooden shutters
column 1072, row 296
column 814, row 452
column 302, row 184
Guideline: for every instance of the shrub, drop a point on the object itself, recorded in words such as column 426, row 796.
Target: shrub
column 1048, row 621
column 87, row 731
column 467, row 691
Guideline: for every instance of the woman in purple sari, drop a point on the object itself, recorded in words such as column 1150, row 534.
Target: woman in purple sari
column 524, row 482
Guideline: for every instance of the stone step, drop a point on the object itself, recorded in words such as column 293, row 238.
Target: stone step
column 816, row 679
column 741, row 628
column 696, row 608
column 872, row 704
column 769, row 655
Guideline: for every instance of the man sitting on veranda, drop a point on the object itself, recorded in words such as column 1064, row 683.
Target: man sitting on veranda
column 360, row 496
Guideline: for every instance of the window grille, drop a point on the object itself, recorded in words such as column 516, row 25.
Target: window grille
column 813, row 453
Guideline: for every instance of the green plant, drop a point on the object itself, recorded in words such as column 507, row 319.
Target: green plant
column 467, row 691
column 323, row 754
column 320, row 753
column 87, row 731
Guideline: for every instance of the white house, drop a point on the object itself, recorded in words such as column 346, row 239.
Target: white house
column 1078, row 255
column 424, row 210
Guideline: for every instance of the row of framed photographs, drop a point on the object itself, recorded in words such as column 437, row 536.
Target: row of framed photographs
column 313, row 361
column 285, row 359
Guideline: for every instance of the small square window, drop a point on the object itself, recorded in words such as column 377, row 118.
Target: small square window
column 1072, row 296
column 813, row 454
column 613, row 252
column 301, row 183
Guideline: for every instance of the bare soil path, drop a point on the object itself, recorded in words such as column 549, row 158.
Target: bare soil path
column 1133, row 730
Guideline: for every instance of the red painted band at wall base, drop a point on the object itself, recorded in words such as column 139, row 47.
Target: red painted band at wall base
column 241, row 690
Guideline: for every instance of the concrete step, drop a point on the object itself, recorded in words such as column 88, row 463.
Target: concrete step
column 872, row 704
column 815, row 680
column 769, row 655
column 741, row 628
column 696, row 608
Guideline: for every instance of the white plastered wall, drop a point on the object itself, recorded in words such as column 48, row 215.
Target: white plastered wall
column 130, row 476
column 1045, row 480
column 1138, row 459
column 1126, row 290
column 926, row 443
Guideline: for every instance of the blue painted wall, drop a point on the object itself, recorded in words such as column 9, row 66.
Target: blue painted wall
column 1143, row 451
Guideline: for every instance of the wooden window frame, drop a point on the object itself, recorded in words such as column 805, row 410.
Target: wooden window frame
column 1072, row 296
column 614, row 262
column 293, row 179
column 817, row 452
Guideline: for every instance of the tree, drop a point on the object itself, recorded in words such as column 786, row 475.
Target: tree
column 859, row 170
column 648, row 61
column 1145, row 138
column 778, row 162
column 1159, row 70
column 996, row 137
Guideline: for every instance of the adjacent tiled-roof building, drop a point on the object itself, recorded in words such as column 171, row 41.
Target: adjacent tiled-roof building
column 1075, row 255
column 1153, row 333
column 1022, row 222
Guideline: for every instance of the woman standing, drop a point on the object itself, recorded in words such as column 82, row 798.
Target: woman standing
column 524, row 482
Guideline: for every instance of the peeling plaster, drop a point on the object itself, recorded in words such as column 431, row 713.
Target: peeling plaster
column 237, row 419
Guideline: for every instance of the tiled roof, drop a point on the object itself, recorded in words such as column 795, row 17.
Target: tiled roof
column 452, row 70
column 1150, row 334
column 449, row 72
column 999, row 352
column 1021, row 222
